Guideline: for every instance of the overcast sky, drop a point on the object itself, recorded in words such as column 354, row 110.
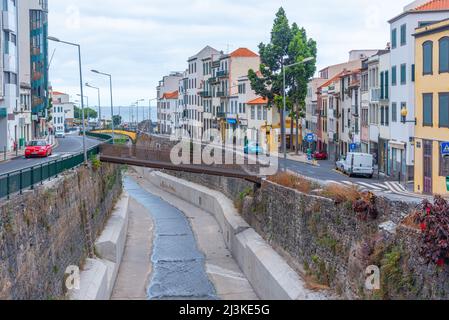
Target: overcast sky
column 139, row 41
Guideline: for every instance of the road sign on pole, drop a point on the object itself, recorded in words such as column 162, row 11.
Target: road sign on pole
column 445, row 149
column 310, row 138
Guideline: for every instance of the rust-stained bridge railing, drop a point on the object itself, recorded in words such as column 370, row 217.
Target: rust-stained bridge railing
column 160, row 159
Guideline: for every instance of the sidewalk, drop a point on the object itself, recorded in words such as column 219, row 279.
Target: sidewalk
column 11, row 155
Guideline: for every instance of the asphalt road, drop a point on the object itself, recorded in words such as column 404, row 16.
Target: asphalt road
column 70, row 145
column 326, row 172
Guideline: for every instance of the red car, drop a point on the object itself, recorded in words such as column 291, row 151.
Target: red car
column 38, row 148
column 320, row 155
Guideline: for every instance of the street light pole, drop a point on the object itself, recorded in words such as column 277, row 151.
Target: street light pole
column 112, row 104
column 88, row 111
column 137, row 108
column 81, row 89
column 99, row 103
column 149, row 114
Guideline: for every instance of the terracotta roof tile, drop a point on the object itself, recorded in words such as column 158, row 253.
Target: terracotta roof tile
column 258, row 101
column 328, row 83
column 434, row 5
column 171, row 95
column 243, row 53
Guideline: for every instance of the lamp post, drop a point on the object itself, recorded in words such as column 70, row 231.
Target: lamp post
column 404, row 114
column 99, row 103
column 88, row 114
column 284, row 107
column 112, row 104
column 149, row 114
column 81, row 89
column 137, row 108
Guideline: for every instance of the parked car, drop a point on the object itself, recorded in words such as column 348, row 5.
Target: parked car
column 357, row 164
column 38, row 148
column 339, row 165
column 320, row 155
column 60, row 134
column 253, row 148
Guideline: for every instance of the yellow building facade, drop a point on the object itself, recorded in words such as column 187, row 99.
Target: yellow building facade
column 431, row 108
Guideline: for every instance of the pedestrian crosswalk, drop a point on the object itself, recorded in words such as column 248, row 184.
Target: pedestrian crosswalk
column 388, row 187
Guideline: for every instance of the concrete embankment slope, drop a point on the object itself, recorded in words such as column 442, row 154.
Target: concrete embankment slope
column 270, row 276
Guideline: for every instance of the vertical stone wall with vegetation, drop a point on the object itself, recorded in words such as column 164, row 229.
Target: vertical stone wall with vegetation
column 331, row 236
column 44, row 231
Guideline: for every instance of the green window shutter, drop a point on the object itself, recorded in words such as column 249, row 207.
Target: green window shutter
column 428, row 109
column 382, row 88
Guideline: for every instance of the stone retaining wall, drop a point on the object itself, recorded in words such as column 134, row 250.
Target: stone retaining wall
column 44, row 231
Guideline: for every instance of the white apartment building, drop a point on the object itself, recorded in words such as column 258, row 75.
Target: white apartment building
column 169, row 113
column 63, row 111
column 199, row 69
column 168, row 85
column 401, row 149
column 385, row 111
column 13, row 119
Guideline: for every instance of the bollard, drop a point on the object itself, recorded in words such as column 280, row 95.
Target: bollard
column 4, row 153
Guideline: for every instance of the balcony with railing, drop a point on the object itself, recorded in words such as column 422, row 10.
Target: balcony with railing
column 213, row 80
column 221, row 115
column 375, row 95
column 222, row 94
column 222, row 73
column 205, row 94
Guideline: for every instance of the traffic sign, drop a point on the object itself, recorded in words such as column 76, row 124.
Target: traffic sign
column 445, row 148
column 353, row 147
column 447, row 183
column 310, row 137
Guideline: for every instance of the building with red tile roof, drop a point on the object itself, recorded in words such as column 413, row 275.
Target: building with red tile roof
column 243, row 53
column 258, row 101
column 171, row 95
column 434, row 5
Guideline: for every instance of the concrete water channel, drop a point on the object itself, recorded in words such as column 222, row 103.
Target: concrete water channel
column 179, row 270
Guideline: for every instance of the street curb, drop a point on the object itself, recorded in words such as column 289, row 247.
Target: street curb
column 268, row 273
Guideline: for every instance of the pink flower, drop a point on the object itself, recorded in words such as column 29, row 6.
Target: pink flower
column 428, row 210
column 423, row 226
column 440, row 262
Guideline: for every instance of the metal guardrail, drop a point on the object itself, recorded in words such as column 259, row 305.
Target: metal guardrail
column 17, row 181
column 160, row 158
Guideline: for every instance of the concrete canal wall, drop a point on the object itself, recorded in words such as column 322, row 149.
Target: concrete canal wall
column 44, row 231
column 270, row 276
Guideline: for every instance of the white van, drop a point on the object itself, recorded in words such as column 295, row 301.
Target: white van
column 357, row 164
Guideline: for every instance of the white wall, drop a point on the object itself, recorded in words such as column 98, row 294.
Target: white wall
column 406, row 93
